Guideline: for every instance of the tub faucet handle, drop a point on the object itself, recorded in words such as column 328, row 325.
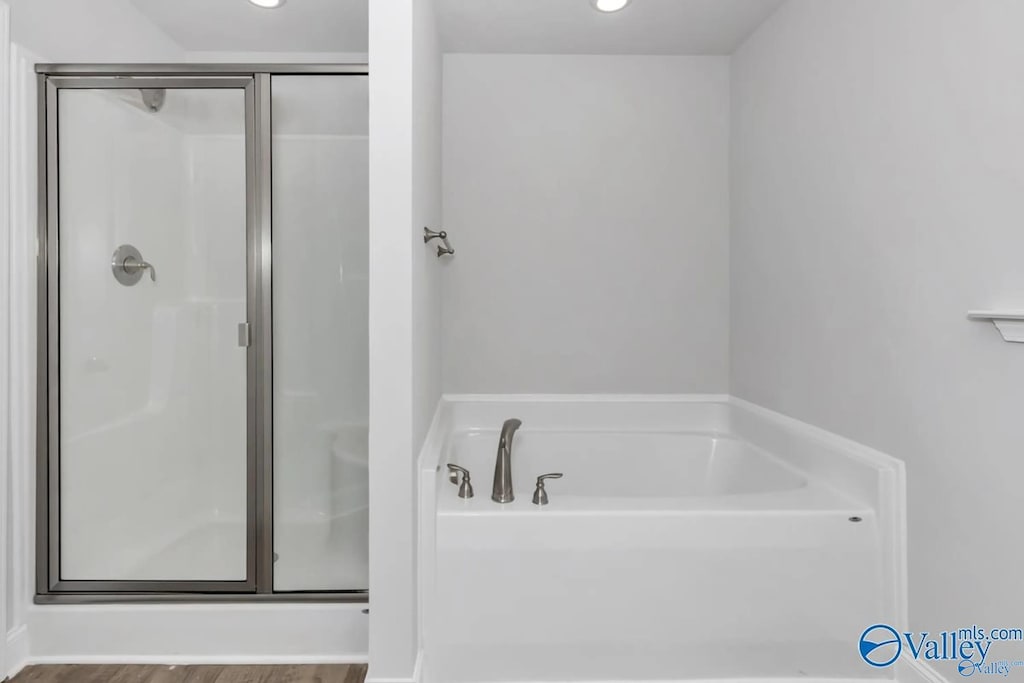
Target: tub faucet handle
column 466, row 487
column 540, row 496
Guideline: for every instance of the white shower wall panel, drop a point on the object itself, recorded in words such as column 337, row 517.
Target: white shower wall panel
column 122, row 179
column 321, row 247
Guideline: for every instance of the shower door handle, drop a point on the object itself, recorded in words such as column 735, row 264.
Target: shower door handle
column 244, row 335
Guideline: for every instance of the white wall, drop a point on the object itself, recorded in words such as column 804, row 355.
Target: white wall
column 21, row 387
column 45, row 30
column 276, row 57
column 426, row 267
column 587, row 197
column 426, row 188
column 94, row 31
column 403, row 329
column 6, row 511
column 878, row 168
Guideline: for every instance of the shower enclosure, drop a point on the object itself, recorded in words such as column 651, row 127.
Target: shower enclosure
column 203, row 332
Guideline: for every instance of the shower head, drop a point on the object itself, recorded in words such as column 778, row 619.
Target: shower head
column 153, row 98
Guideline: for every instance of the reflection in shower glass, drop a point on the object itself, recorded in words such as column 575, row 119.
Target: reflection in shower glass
column 152, row 380
column 321, row 328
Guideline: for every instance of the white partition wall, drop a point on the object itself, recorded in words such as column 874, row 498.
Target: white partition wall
column 405, row 304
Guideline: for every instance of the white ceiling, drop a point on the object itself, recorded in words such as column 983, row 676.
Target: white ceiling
column 684, row 27
column 662, row 27
column 237, row 26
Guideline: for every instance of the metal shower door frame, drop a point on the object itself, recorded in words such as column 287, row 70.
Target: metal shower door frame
column 259, row 415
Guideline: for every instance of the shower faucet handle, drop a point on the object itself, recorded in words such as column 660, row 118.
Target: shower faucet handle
column 137, row 265
column 128, row 265
column 146, row 265
column 540, row 495
column 466, row 488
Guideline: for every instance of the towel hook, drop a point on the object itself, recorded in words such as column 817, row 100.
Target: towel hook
column 445, row 250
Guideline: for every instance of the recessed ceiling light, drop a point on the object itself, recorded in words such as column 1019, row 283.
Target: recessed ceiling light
column 267, row 4
column 609, row 5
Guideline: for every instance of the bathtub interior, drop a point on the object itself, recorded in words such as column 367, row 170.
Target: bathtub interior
column 623, row 464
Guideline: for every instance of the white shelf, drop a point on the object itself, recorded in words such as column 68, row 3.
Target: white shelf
column 1010, row 323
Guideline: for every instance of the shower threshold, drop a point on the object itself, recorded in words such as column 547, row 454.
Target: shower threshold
column 361, row 596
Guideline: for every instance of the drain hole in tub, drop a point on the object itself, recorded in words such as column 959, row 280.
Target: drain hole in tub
column 856, row 519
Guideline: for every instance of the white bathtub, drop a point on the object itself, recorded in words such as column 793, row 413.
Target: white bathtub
column 674, row 547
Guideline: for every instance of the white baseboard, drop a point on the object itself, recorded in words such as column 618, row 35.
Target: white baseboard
column 198, row 634
column 910, row 670
column 810, row 679
column 184, row 660
column 416, row 677
column 17, row 651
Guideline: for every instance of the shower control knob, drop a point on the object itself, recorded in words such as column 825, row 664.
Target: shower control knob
column 128, row 266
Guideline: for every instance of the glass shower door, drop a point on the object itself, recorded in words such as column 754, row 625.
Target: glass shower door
column 153, row 473
column 321, row 332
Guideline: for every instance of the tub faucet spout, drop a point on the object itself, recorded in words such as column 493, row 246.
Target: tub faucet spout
column 502, row 491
